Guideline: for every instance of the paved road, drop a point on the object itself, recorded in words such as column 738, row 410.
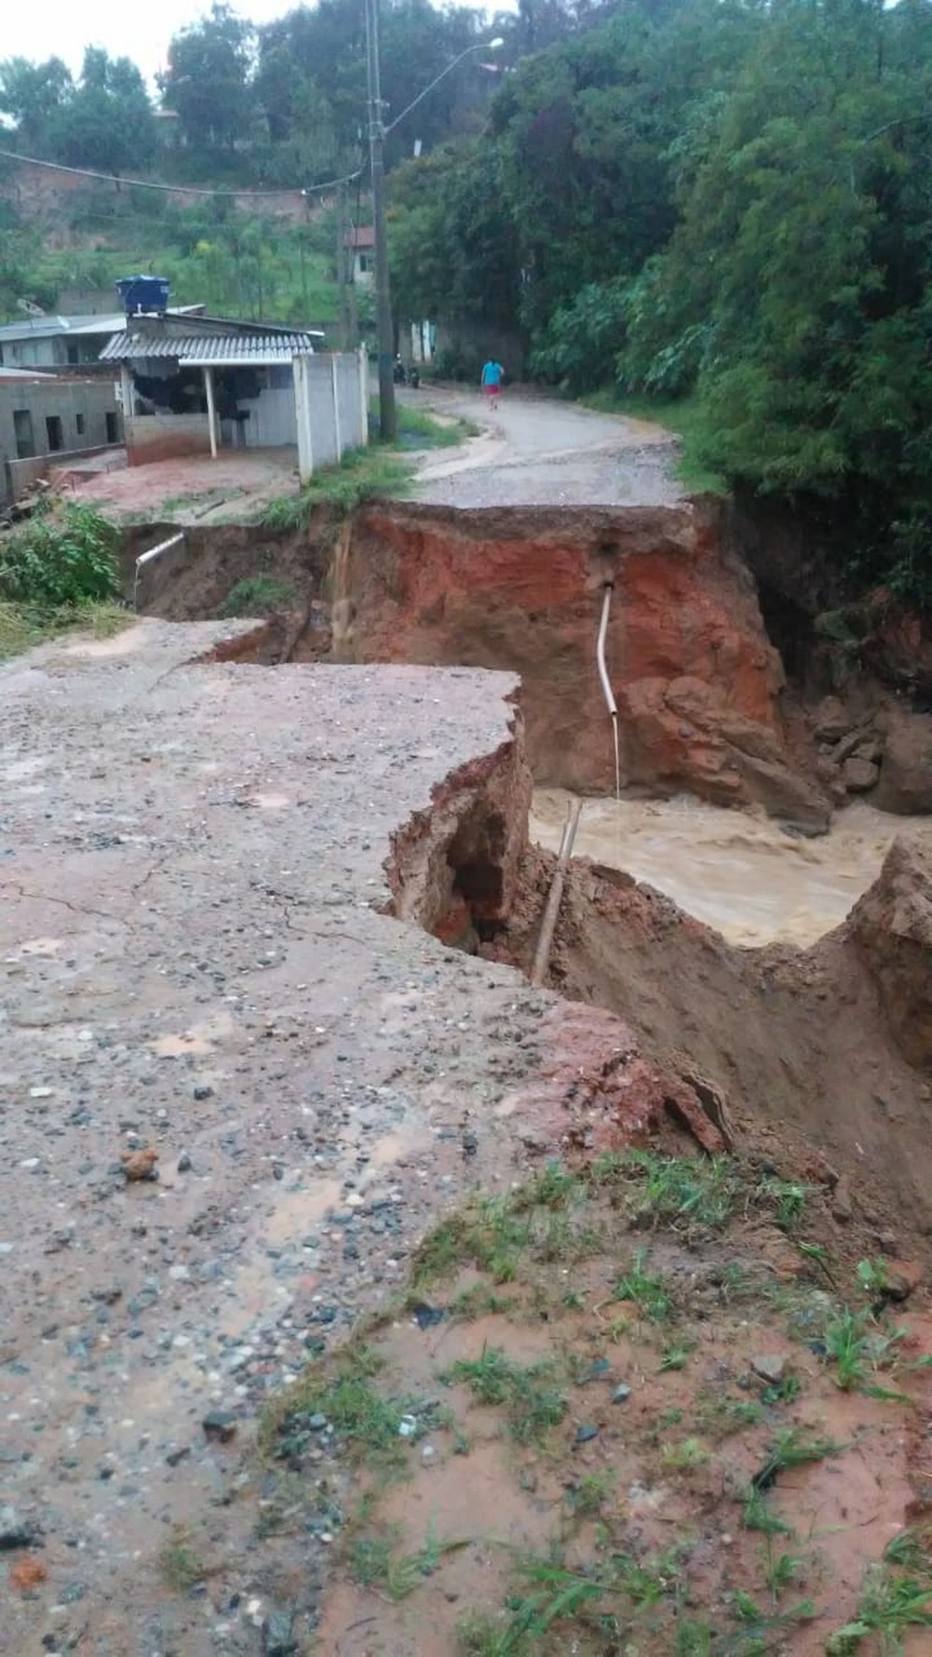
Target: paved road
column 537, row 451
column 192, row 957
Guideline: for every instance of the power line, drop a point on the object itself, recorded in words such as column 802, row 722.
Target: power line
column 186, row 189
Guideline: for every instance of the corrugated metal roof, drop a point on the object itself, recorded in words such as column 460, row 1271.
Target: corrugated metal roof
column 43, row 327
column 219, row 350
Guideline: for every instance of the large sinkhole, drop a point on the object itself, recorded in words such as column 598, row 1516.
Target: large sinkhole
column 724, row 792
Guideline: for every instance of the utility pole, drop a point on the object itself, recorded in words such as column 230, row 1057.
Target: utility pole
column 388, row 423
column 349, row 322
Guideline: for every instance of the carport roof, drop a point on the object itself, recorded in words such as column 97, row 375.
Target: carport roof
column 234, row 350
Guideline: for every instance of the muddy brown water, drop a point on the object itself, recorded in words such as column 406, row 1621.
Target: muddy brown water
column 741, row 873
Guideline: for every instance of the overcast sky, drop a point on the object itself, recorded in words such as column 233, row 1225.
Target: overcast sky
column 63, row 28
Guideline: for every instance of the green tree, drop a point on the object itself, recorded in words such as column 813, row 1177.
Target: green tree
column 32, row 94
column 106, row 123
column 208, row 78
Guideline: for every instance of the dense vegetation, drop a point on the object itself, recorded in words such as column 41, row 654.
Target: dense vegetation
column 235, row 263
column 727, row 199
column 57, row 571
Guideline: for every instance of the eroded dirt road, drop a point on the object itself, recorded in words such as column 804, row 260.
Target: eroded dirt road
column 193, row 960
column 538, row 451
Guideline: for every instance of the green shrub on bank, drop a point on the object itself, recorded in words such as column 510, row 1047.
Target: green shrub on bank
column 257, row 595
column 60, row 559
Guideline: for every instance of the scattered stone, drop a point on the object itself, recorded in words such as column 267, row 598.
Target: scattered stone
column 859, row 774
column 407, row 1426
column 832, row 721
column 621, row 1394
column 597, row 1371
column 176, row 1456
column 140, row 1165
column 15, row 1531
column 220, row 1426
column 841, row 1204
column 903, row 1278
column 278, row 1638
column 769, row 1367
column 317, row 1422
column 203, row 1092
column 586, row 1433
column 892, row 925
column 27, row 1573
column 184, row 1162
column 426, row 1316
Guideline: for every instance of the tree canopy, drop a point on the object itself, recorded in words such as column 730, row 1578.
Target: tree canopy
column 726, row 199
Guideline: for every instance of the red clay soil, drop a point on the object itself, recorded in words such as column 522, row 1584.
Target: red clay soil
column 698, row 683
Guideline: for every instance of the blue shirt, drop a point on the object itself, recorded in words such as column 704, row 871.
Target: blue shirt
column 492, row 373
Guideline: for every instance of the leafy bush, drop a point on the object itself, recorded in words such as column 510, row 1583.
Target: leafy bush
column 60, row 559
column 257, row 595
column 583, row 339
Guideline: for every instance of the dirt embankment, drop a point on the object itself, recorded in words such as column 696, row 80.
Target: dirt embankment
column 699, row 686
column 811, row 1053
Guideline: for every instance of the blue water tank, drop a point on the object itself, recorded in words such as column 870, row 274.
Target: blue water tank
column 143, row 295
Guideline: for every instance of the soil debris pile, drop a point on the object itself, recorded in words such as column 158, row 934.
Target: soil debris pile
column 796, row 1041
column 893, row 925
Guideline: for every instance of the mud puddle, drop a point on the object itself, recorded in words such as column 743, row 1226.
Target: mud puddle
column 742, row 874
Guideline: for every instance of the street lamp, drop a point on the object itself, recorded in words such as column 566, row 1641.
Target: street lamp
column 388, row 419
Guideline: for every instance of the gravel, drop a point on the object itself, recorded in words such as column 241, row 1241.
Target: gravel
column 194, row 961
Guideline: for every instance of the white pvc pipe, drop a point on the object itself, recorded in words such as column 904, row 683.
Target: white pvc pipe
column 600, row 653
column 610, row 702
column 153, row 552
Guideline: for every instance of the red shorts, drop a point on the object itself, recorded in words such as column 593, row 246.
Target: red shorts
column 491, row 390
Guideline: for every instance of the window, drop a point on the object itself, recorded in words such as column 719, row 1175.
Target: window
column 72, row 352
column 79, row 424
column 54, row 432
column 22, row 431
column 111, row 420
column 363, row 263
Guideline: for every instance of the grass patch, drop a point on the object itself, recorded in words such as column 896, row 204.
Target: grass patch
column 362, row 475
column 682, row 416
column 792, row 1448
column 685, row 1190
column 257, row 595
column 858, row 1349
column 363, row 1418
column 720, row 1416
column 685, row 1456
column 528, row 1393
column 181, row 1568
column 418, row 429
column 545, row 1220
column 891, row 1605
column 647, row 1290
column 376, row 1563
column 23, row 626
column 587, row 1498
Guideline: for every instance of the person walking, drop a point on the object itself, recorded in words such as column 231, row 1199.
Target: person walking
column 492, row 375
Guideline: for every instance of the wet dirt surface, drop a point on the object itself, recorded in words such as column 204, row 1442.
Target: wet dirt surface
column 194, row 489
column 537, row 451
column 193, row 960
column 476, row 1504
column 740, row 873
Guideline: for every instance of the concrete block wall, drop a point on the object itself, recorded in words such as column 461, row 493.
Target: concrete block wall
column 80, row 406
column 331, row 400
column 152, row 437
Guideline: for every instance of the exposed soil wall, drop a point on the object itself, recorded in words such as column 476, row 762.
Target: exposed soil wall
column 194, row 579
column 799, row 1045
column 698, row 683
column 453, row 869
